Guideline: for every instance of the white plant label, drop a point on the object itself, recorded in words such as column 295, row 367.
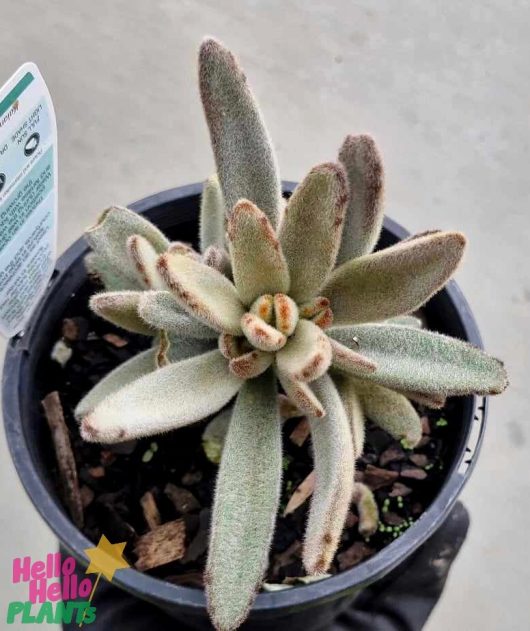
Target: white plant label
column 28, row 196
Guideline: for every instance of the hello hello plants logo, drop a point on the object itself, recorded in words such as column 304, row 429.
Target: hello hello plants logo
column 55, row 593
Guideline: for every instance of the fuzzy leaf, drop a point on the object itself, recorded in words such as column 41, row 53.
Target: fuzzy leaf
column 285, row 314
column 354, row 410
column 212, row 215
column 395, row 280
column 406, row 320
column 367, row 508
column 311, row 229
column 263, row 307
column 125, row 373
column 251, row 364
column 171, row 397
column 307, row 354
column 108, row 239
column 102, row 271
column 324, row 319
column 301, row 395
column 258, row 264
column 433, row 401
column 391, row 411
column 121, row 308
column 245, row 160
column 203, row 292
column 347, row 360
column 313, row 307
column 219, row 259
column 364, row 214
column 260, row 334
column 184, row 347
column 179, row 247
column 423, row 361
column 230, row 345
column 334, row 471
column 161, row 311
column 143, row 257
column 244, row 515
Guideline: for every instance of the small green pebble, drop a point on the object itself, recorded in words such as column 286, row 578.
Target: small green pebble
column 148, row 456
column 441, row 422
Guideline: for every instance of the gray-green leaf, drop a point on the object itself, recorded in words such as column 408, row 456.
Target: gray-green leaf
column 161, row 311
column 203, row 292
column 245, row 160
column 212, row 217
column 124, row 374
column 258, row 264
column 334, row 470
column 364, row 215
column 394, row 281
column 171, row 397
column 311, row 229
column 422, row 361
column 108, row 239
column 244, row 515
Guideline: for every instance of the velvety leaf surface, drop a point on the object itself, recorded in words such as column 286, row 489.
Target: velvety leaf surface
column 176, row 395
column 121, row 308
column 311, row 229
column 212, row 217
column 334, row 471
column 101, row 269
column 423, row 361
column 108, row 238
column 203, row 292
column 160, row 310
column 245, row 160
column 364, row 214
column 258, row 264
column 144, row 257
column 391, row 411
column 307, row 354
column 126, row 373
column 354, row 411
column 395, row 280
column 244, row 515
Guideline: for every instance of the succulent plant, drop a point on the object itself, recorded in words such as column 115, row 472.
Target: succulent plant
column 279, row 298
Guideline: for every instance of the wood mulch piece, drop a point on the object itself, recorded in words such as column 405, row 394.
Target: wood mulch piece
column 150, row 510
column 376, row 477
column 182, row 499
column 161, row 545
column 65, row 456
column 354, row 555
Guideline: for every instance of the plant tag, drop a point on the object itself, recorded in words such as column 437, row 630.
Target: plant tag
column 28, row 196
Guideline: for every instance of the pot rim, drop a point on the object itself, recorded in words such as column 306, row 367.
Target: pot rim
column 156, row 590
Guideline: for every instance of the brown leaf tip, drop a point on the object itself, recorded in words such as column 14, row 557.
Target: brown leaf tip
column 88, row 431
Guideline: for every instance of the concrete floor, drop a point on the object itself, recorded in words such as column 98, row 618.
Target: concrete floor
column 441, row 85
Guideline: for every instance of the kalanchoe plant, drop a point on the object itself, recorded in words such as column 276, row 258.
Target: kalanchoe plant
column 278, row 298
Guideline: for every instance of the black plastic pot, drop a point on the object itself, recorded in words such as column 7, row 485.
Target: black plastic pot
column 308, row 607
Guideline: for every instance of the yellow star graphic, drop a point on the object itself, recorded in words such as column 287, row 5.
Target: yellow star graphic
column 106, row 558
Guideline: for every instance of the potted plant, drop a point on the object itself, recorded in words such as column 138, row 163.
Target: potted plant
column 283, row 311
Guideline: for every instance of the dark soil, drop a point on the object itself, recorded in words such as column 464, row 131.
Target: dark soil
column 114, row 479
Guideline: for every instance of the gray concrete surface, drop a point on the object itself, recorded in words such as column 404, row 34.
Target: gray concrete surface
column 443, row 87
